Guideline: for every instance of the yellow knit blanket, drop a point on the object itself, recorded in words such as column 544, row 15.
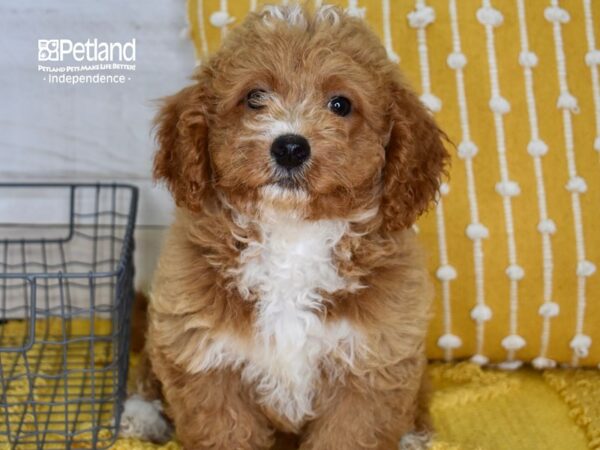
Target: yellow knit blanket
column 475, row 409
column 472, row 408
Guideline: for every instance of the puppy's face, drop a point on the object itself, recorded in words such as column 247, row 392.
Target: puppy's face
column 299, row 109
column 305, row 112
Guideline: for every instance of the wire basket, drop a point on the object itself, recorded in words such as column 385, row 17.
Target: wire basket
column 66, row 293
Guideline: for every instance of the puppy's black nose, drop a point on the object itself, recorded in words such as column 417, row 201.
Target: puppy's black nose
column 290, row 150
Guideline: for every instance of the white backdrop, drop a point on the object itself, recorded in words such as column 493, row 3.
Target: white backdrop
column 89, row 132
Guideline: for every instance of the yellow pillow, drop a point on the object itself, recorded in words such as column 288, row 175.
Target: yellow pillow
column 514, row 240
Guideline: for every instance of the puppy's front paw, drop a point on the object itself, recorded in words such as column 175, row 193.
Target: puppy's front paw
column 415, row 440
column 143, row 419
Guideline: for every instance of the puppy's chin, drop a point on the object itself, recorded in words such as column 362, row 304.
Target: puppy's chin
column 288, row 184
column 285, row 195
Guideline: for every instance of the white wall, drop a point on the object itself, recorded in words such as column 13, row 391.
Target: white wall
column 90, row 132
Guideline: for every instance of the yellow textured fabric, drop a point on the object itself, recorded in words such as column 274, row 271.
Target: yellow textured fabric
column 560, row 272
column 472, row 408
column 476, row 409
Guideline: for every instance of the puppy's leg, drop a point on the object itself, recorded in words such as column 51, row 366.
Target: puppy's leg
column 214, row 411
column 142, row 415
column 423, row 422
column 420, row 437
column 372, row 412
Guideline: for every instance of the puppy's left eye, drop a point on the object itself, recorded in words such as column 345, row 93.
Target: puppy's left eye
column 340, row 105
column 256, row 98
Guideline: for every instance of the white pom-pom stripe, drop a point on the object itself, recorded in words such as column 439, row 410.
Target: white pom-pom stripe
column 576, row 184
column 421, row 17
column 479, row 359
column 201, row 34
column 490, row 16
column 446, row 272
column 481, row 313
column 592, row 58
column 387, row 32
column 549, row 309
column 467, row 149
column 221, row 19
column 444, row 189
column 581, row 344
column 513, row 342
column 542, row 362
column 546, row 226
column 556, row 14
column 537, row 147
column 449, row 341
column 499, row 105
column 566, row 100
column 528, row 59
column 477, row 231
column 393, row 56
column 431, row 102
column 515, row 272
column 508, row 188
column 586, row 268
column 456, row 60
column 512, row 364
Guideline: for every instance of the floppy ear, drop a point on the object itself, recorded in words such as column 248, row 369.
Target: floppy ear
column 415, row 160
column 182, row 158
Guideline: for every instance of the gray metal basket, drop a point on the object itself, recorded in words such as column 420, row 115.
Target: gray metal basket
column 66, row 293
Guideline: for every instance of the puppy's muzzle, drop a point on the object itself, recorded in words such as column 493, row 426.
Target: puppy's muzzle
column 290, row 151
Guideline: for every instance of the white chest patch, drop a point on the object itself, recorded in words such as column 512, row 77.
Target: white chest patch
column 287, row 270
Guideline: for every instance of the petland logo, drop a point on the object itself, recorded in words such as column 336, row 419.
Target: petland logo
column 99, row 62
column 90, row 50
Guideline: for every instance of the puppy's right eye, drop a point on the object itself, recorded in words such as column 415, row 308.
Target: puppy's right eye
column 256, row 98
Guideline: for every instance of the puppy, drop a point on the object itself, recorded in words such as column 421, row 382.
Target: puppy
column 291, row 295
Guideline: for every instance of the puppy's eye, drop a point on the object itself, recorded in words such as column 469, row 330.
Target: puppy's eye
column 256, row 98
column 340, row 105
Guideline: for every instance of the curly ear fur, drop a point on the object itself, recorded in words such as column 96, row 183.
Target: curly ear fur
column 415, row 160
column 182, row 159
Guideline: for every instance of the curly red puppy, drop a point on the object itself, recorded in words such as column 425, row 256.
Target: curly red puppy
column 291, row 295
